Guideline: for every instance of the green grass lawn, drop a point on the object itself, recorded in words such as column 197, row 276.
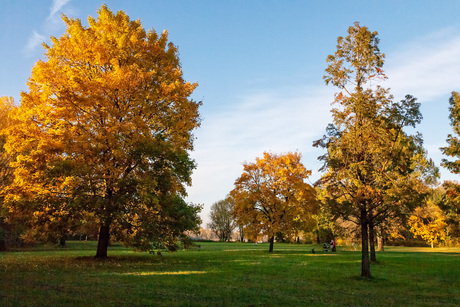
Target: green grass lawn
column 228, row 274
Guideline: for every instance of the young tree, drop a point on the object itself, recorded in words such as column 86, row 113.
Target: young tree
column 370, row 160
column 271, row 196
column 429, row 223
column 222, row 222
column 107, row 125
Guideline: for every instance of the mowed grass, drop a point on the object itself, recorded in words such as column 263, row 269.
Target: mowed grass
column 228, row 274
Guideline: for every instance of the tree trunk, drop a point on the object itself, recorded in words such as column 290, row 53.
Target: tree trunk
column 372, row 241
column 103, row 242
column 432, row 246
column 62, row 241
column 365, row 263
column 2, row 245
column 380, row 243
column 271, row 241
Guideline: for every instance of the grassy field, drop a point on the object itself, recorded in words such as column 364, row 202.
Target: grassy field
column 228, row 274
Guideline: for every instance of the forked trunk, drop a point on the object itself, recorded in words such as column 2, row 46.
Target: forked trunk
column 365, row 263
column 271, row 241
column 103, row 242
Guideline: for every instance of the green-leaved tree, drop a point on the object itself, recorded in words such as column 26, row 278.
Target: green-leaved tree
column 370, row 161
column 222, row 221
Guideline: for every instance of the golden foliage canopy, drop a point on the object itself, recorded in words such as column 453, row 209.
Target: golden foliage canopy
column 429, row 223
column 107, row 122
column 272, row 196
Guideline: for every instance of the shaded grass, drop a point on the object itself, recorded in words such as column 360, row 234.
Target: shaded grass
column 228, row 274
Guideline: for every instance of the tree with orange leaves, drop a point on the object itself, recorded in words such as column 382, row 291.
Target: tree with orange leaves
column 272, row 196
column 6, row 172
column 106, row 128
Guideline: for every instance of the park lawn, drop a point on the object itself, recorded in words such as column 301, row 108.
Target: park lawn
column 228, row 274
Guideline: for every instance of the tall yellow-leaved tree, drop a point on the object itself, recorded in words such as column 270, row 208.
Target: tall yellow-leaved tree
column 272, row 196
column 106, row 127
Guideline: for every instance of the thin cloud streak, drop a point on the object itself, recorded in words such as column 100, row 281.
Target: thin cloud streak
column 426, row 69
column 52, row 24
column 429, row 70
column 56, row 7
column 34, row 41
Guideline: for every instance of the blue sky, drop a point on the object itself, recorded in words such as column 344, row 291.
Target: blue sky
column 259, row 65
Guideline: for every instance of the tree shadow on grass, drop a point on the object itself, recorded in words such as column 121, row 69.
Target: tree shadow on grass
column 373, row 279
column 137, row 259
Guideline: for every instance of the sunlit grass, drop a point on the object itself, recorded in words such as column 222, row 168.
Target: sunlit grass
column 228, row 274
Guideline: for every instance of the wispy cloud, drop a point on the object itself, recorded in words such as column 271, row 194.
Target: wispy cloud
column 51, row 25
column 34, row 41
column 56, row 7
column 429, row 69
column 53, row 22
column 426, row 68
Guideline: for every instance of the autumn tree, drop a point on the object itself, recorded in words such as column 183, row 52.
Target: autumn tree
column 6, row 172
column 370, row 160
column 106, row 128
column 450, row 205
column 453, row 140
column 222, row 222
column 452, row 150
column 429, row 223
column 272, row 196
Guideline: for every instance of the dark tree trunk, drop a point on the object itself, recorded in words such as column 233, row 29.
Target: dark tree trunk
column 62, row 241
column 2, row 245
column 271, row 241
column 365, row 263
column 317, row 236
column 372, row 241
column 103, row 242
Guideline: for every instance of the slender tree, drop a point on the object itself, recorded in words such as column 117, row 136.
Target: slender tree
column 222, row 222
column 272, row 196
column 107, row 125
column 428, row 222
column 369, row 159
